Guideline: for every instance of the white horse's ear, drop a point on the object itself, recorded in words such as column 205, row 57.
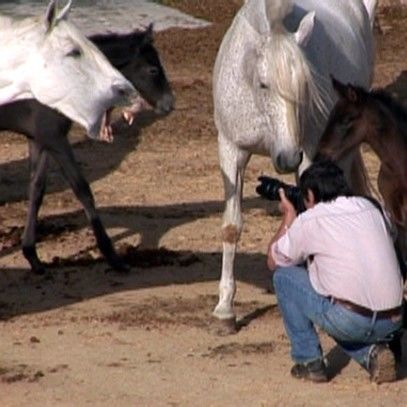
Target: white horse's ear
column 305, row 29
column 51, row 17
column 50, row 14
column 64, row 12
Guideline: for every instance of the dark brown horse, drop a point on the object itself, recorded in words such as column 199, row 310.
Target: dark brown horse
column 46, row 129
column 377, row 119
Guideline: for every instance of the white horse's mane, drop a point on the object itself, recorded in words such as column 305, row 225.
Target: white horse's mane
column 295, row 79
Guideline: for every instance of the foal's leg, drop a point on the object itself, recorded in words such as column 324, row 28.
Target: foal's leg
column 233, row 162
column 38, row 167
column 63, row 155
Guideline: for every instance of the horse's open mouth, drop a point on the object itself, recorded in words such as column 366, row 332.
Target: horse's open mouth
column 138, row 104
column 128, row 114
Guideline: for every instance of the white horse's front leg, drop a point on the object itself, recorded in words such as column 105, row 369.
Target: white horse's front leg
column 233, row 162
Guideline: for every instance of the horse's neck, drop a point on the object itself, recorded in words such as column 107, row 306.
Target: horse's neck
column 392, row 154
column 392, row 146
column 20, row 37
column 15, row 29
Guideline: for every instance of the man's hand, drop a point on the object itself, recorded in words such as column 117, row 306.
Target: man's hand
column 289, row 214
column 286, row 207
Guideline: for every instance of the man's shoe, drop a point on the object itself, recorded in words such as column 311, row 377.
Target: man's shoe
column 382, row 364
column 314, row 371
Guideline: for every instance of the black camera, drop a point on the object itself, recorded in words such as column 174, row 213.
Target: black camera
column 268, row 188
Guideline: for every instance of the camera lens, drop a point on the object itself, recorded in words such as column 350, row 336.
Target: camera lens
column 268, row 188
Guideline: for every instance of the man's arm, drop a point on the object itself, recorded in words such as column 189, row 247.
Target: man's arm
column 289, row 214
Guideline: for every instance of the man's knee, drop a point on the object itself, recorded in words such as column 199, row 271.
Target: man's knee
column 278, row 277
column 281, row 275
column 291, row 275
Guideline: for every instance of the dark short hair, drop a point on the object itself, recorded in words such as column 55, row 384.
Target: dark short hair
column 326, row 180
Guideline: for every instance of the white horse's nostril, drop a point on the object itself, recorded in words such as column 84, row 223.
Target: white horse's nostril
column 123, row 89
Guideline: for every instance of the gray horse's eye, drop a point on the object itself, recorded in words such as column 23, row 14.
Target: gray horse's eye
column 263, row 85
column 74, row 53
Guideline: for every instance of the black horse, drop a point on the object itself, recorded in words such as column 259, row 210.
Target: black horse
column 47, row 131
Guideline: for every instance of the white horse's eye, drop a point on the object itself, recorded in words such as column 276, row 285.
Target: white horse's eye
column 74, row 53
column 263, row 85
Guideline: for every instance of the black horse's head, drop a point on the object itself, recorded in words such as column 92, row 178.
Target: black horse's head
column 136, row 57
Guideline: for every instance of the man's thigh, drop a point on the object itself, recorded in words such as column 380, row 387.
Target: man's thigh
column 293, row 284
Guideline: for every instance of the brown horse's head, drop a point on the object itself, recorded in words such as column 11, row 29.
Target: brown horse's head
column 349, row 124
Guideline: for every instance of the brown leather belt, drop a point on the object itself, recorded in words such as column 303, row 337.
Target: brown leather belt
column 366, row 312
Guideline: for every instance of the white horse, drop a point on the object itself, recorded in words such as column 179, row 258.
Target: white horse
column 272, row 92
column 50, row 60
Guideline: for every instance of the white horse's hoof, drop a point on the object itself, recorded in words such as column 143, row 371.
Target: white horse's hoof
column 224, row 327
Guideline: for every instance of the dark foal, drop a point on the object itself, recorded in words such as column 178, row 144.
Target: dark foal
column 136, row 57
column 380, row 121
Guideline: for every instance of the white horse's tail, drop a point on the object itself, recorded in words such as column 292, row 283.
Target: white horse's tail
column 277, row 10
column 370, row 6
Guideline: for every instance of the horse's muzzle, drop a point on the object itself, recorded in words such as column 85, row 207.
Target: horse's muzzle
column 166, row 104
column 123, row 91
column 286, row 162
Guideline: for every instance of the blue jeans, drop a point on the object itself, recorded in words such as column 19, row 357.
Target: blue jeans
column 303, row 308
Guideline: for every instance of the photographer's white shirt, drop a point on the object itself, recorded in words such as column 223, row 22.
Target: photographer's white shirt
column 349, row 252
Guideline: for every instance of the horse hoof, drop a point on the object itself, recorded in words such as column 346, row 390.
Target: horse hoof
column 224, row 327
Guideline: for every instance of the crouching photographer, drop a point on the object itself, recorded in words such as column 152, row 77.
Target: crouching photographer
column 351, row 286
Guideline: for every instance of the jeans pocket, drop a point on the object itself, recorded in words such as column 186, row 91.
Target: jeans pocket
column 346, row 325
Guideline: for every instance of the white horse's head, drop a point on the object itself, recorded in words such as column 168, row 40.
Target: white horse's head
column 50, row 60
column 282, row 84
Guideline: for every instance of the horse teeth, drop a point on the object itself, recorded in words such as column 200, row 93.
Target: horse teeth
column 129, row 117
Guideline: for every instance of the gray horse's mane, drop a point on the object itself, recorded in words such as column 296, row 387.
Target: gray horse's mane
column 294, row 77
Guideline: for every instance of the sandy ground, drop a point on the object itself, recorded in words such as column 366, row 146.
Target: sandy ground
column 85, row 335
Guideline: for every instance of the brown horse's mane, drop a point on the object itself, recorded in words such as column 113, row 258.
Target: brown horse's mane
column 400, row 112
